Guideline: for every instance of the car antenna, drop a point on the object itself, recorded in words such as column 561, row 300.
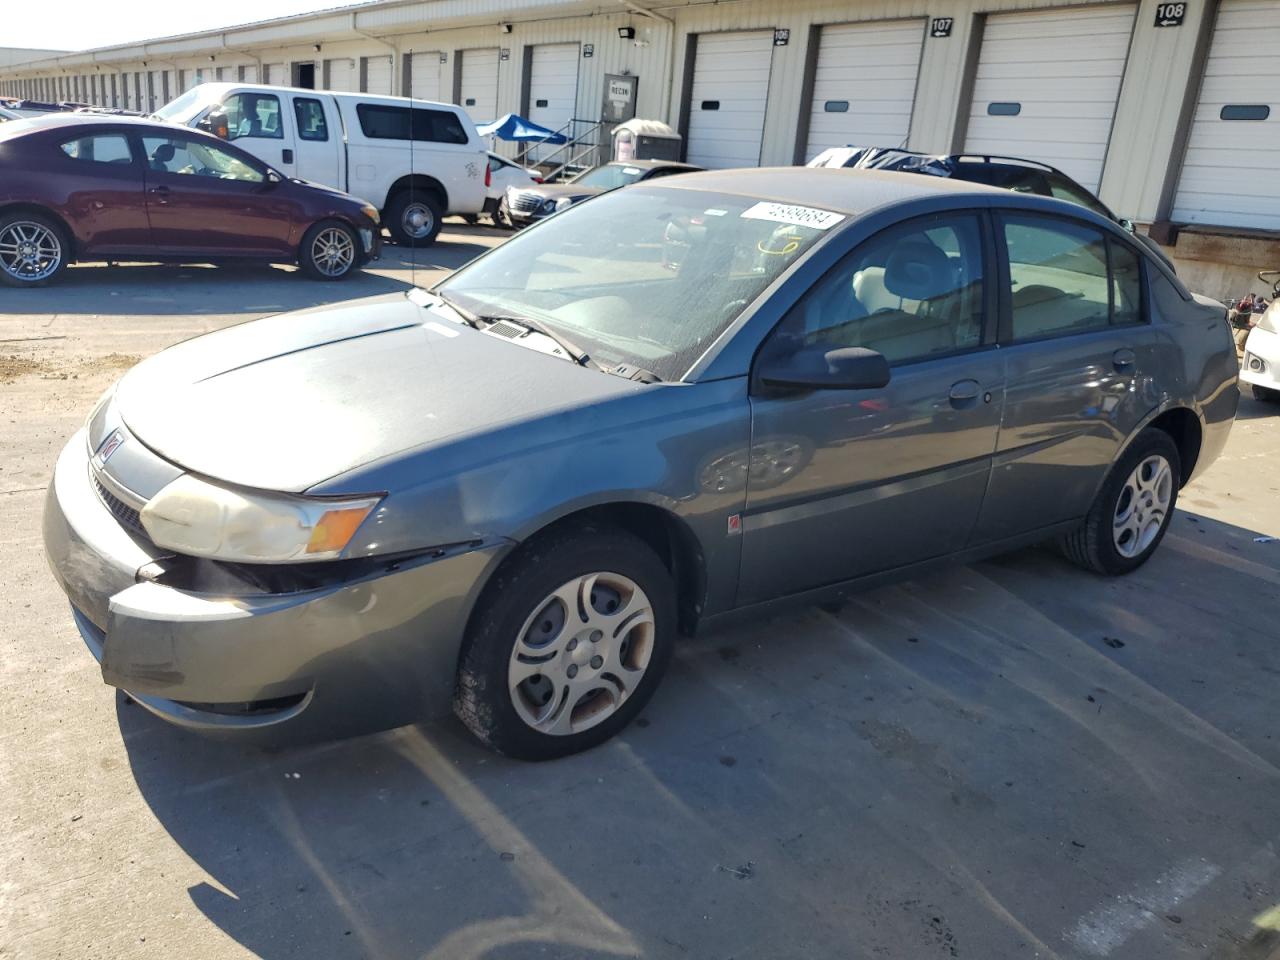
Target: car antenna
column 413, row 171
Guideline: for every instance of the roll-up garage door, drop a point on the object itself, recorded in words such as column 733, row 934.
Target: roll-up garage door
column 275, row 74
column 479, row 94
column 864, row 85
column 1231, row 171
column 341, row 74
column 1047, row 86
column 424, row 75
column 727, row 101
column 553, row 87
column 378, row 75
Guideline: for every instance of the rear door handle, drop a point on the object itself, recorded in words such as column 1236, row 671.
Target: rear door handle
column 286, row 156
column 1124, row 359
column 964, row 393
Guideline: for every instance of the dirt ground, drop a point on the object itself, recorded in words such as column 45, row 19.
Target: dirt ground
column 1010, row 759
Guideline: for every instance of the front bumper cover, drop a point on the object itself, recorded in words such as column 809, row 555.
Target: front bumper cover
column 1261, row 363
column 377, row 650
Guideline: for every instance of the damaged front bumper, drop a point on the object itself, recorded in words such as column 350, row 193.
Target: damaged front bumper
column 367, row 645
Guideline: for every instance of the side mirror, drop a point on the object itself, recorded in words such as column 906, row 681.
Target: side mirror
column 215, row 122
column 1128, row 226
column 273, row 177
column 816, row 368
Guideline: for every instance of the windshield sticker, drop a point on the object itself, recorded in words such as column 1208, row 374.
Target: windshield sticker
column 714, row 212
column 631, row 171
column 797, row 216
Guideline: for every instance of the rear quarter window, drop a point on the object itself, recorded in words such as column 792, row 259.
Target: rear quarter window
column 379, row 122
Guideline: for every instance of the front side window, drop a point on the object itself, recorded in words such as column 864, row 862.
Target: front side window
column 649, row 276
column 379, row 122
column 911, row 292
column 197, row 158
column 99, row 148
column 311, row 122
column 253, row 115
column 1058, row 275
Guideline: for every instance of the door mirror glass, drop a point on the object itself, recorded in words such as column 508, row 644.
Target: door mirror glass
column 817, row 368
column 215, row 122
column 1128, row 225
column 273, row 177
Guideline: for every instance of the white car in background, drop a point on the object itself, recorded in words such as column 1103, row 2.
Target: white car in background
column 1260, row 367
column 503, row 173
column 415, row 160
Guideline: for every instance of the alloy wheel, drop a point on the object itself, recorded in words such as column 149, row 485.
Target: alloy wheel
column 1143, row 506
column 29, row 251
column 333, row 252
column 581, row 653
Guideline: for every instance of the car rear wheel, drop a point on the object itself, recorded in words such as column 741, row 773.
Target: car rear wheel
column 414, row 218
column 568, row 643
column 330, row 250
column 33, row 250
column 1132, row 511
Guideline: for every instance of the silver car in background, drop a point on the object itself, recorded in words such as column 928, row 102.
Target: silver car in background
column 680, row 403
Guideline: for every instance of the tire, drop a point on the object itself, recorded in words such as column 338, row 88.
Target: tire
column 576, row 704
column 330, row 250
column 502, row 216
column 1100, row 543
column 34, row 249
column 1265, row 394
column 414, row 218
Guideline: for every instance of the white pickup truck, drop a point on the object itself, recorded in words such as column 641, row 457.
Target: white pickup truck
column 414, row 160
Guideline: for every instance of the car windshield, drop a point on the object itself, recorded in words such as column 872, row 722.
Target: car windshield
column 184, row 107
column 648, row 276
column 609, row 176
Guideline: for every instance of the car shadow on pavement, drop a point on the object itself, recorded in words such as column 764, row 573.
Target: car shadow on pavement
column 980, row 762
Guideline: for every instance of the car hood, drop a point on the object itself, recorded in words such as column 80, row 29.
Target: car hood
column 287, row 402
column 554, row 191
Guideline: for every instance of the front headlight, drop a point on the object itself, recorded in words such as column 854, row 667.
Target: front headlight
column 199, row 518
column 370, row 211
column 564, row 202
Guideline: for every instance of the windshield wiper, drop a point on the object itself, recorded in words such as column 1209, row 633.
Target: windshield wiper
column 469, row 318
column 576, row 354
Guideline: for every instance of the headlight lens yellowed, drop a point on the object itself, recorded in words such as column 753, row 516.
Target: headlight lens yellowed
column 371, row 212
column 202, row 519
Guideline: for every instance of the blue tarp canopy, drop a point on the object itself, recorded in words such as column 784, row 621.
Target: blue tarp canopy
column 512, row 127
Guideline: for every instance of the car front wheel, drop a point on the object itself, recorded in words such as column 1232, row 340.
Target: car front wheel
column 33, row 250
column 569, row 642
column 329, row 251
column 1131, row 512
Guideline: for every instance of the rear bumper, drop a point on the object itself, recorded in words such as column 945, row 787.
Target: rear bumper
column 1261, row 364
column 364, row 654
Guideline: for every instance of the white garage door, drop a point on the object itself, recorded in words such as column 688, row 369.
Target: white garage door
column 865, row 85
column 727, row 103
column 1231, row 172
column 378, row 75
column 1047, row 86
column 553, row 87
column 424, row 75
column 275, row 74
column 342, row 74
column 479, row 94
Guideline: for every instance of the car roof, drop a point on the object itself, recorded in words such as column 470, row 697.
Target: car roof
column 650, row 164
column 14, row 129
column 828, row 188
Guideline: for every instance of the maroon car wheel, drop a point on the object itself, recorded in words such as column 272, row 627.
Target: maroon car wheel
column 329, row 251
column 32, row 249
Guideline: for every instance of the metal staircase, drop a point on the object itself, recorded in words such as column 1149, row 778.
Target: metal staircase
column 583, row 150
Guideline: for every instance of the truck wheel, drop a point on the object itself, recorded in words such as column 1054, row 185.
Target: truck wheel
column 568, row 643
column 33, row 250
column 330, row 250
column 414, row 218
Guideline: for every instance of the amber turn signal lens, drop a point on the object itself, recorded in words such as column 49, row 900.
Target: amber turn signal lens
column 336, row 528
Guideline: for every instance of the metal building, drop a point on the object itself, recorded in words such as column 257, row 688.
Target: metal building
column 1171, row 111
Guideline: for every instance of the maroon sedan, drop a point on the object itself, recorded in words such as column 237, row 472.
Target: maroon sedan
column 83, row 187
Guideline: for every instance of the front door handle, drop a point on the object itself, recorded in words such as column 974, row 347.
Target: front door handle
column 161, row 194
column 1124, row 359
column 964, row 393
column 286, row 156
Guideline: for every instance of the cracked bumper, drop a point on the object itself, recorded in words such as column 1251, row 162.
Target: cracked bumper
column 363, row 654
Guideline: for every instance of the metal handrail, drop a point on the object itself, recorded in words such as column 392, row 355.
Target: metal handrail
column 593, row 127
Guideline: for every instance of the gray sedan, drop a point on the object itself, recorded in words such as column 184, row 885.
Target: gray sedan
column 680, row 403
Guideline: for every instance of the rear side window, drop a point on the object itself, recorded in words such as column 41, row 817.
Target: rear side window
column 403, row 123
column 253, row 115
column 1068, row 278
column 101, row 148
column 311, row 122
